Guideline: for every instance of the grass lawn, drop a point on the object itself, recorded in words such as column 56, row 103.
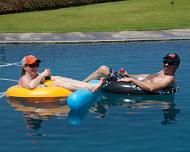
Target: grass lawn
column 113, row 16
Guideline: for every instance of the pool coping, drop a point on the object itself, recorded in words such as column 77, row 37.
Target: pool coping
column 95, row 37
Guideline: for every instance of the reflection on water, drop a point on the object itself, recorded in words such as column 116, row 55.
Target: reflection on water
column 35, row 112
column 163, row 102
column 77, row 115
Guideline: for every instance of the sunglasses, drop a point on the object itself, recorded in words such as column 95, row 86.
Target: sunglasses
column 170, row 63
column 33, row 65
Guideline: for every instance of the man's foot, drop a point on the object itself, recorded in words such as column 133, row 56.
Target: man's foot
column 98, row 85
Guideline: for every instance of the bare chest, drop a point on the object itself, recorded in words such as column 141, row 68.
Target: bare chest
column 154, row 78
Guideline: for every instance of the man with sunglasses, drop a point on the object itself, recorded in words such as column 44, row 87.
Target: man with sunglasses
column 30, row 78
column 148, row 82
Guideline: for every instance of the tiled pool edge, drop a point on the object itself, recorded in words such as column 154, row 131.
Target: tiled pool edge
column 95, row 37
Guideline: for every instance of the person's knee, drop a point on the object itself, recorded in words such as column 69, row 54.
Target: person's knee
column 104, row 69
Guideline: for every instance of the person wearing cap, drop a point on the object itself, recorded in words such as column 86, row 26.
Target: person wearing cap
column 148, row 82
column 30, row 78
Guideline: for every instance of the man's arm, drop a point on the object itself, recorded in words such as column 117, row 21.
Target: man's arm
column 136, row 76
column 147, row 86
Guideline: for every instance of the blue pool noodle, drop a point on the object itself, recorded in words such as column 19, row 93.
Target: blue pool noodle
column 80, row 97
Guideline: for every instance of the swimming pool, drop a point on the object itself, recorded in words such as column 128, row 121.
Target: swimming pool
column 114, row 123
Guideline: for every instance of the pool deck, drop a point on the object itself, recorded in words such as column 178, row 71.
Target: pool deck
column 95, row 37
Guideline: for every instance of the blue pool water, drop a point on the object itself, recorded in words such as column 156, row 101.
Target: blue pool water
column 112, row 123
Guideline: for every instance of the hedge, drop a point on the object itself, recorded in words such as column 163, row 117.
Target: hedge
column 15, row 6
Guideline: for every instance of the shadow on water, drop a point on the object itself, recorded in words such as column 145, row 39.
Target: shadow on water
column 163, row 102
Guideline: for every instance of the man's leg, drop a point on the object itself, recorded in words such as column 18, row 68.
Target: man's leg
column 100, row 72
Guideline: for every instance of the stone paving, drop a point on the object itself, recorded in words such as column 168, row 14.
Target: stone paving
column 82, row 37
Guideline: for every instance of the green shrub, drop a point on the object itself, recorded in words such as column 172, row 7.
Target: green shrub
column 15, row 6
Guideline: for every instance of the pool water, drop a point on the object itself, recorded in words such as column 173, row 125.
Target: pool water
column 111, row 122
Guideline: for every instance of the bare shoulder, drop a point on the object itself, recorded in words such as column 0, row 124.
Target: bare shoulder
column 23, row 81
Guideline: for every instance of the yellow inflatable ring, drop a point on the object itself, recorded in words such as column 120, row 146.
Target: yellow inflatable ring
column 48, row 91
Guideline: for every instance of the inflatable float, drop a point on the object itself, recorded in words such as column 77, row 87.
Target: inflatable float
column 81, row 97
column 49, row 93
column 46, row 92
column 120, row 87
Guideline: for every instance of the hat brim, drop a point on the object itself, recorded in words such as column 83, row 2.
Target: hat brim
column 39, row 61
column 32, row 62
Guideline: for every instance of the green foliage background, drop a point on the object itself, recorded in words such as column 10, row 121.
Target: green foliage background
column 112, row 16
